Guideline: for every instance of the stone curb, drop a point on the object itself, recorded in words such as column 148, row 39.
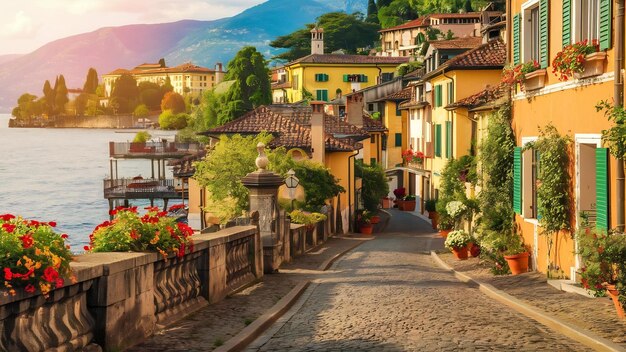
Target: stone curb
column 583, row 336
column 262, row 323
column 252, row 331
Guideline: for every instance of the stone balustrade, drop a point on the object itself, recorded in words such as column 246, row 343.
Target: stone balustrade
column 122, row 298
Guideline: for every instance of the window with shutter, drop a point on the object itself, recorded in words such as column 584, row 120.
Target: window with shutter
column 438, row 140
column 398, row 140
column 517, row 20
column 321, row 94
column 602, row 189
column 605, row 24
column 448, row 139
column 345, row 78
column 566, row 25
column 517, row 180
column 544, row 59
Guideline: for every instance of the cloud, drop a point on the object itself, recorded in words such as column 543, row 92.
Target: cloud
column 21, row 27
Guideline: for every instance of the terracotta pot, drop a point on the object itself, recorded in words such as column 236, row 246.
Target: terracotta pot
column 408, row 205
column 518, row 263
column 386, row 203
column 434, row 219
column 612, row 291
column 535, row 80
column 444, row 233
column 460, row 252
column 594, row 65
column 375, row 219
column 474, row 249
column 366, row 229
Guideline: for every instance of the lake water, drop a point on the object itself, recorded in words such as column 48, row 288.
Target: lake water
column 56, row 175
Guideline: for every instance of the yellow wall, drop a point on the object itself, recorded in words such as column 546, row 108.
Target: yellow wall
column 372, row 150
column 306, row 78
column 395, row 124
column 337, row 162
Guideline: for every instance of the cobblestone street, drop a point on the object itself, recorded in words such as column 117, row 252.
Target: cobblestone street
column 388, row 295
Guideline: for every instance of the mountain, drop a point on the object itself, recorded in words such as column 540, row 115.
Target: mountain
column 202, row 42
column 8, row 57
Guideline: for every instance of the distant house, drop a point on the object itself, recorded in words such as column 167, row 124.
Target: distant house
column 186, row 78
column 405, row 39
column 326, row 76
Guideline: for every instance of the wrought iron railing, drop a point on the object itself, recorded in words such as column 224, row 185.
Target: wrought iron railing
column 127, row 186
column 153, row 148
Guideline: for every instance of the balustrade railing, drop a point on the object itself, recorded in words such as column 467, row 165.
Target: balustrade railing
column 125, row 186
column 239, row 261
column 118, row 149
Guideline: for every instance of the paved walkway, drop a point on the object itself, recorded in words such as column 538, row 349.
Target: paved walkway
column 388, row 295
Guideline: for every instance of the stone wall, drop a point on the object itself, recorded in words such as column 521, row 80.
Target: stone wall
column 101, row 121
column 122, row 298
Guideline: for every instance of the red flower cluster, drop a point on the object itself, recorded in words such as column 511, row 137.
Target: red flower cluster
column 572, row 59
column 410, row 156
column 517, row 74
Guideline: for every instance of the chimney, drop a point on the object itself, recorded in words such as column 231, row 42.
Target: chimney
column 318, row 135
column 354, row 109
column 317, row 41
column 219, row 73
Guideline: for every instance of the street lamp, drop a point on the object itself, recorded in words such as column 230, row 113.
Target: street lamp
column 292, row 183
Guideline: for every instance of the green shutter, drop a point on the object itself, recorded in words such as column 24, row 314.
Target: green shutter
column 325, row 78
column 318, row 94
column 517, row 21
column 438, row 140
column 435, row 98
column 345, row 78
column 602, row 189
column 517, row 180
column 448, row 139
column 325, row 95
column 567, row 22
column 398, row 139
column 605, row 24
column 544, row 59
column 363, row 78
column 317, row 77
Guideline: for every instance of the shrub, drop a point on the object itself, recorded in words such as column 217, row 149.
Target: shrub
column 142, row 137
column 306, row 218
column 375, row 185
column 457, row 239
column 129, row 231
column 170, row 121
column 34, row 257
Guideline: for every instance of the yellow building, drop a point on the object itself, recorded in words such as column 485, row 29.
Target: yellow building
column 325, row 76
column 539, row 30
column 186, row 78
column 452, row 129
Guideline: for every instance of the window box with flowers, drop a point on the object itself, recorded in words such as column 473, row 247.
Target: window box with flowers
column 529, row 75
column 413, row 158
column 579, row 60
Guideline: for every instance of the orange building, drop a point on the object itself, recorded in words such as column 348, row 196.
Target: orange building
column 539, row 30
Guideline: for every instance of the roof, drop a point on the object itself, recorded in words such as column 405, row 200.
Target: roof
column 491, row 55
column 280, row 85
column 457, row 43
column 464, row 15
column 292, row 129
column 490, row 94
column 144, row 70
column 348, row 59
column 418, row 22
column 404, row 94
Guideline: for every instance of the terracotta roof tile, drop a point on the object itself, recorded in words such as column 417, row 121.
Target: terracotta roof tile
column 348, row 59
column 485, row 96
column 491, row 55
column 184, row 68
column 404, row 94
column 457, row 43
column 419, row 22
column 464, row 15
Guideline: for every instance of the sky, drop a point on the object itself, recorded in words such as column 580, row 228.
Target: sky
column 25, row 25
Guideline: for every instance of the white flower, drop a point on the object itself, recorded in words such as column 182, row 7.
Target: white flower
column 455, row 208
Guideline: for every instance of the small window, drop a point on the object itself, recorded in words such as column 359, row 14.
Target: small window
column 321, row 77
column 398, row 140
column 450, row 87
column 321, row 94
column 398, row 112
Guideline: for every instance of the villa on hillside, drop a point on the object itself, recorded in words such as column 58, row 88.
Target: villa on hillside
column 186, row 78
column 327, row 76
column 404, row 40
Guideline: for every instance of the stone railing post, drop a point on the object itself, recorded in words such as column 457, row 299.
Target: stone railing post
column 263, row 185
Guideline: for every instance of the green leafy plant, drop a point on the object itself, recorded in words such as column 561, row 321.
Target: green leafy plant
column 305, row 218
column 615, row 137
column 153, row 231
column 516, row 74
column 430, row 205
column 375, row 184
column 604, row 260
column 572, row 58
column 142, row 137
column 34, row 256
column 364, row 217
column 457, row 239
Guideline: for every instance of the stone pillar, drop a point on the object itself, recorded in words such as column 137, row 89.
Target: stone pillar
column 263, row 185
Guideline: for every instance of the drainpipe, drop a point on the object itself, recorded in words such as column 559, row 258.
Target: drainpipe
column 618, row 97
column 350, row 225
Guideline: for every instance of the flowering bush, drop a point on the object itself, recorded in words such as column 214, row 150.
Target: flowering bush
column 129, row 231
column 409, row 156
column 572, row 59
column 457, row 239
column 512, row 75
column 604, row 260
column 34, row 256
column 399, row 192
column 455, row 208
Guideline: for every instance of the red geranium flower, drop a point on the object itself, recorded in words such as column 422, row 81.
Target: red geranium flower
column 8, row 227
column 27, row 241
column 52, row 224
column 8, row 275
column 64, row 236
column 50, row 275
column 7, row 217
column 29, row 288
column 59, row 282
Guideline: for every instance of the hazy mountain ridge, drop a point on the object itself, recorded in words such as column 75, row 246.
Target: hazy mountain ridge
column 203, row 42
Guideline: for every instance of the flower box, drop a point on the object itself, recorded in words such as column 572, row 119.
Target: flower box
column 593, row 66
column 407, row 205
column 386, row 203
column 535, row 80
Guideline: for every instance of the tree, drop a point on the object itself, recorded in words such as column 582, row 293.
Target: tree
column 383, row 3
column 91, row 82
column 151, row 95
column 375, row 185
column 168, row 120
column 174, row 102
column 468, row 6
column 167, row 86
column 27, row 107
column 80, row 103
column 251, row 87
column 372, row 12
column 61, row 95
column 126, row 93
column 341, row 31
column 141, row 111
column 49, row 96
column 162, row 62
column 396, row 13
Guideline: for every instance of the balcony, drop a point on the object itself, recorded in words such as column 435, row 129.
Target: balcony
column 140, row 188
column 153, row 150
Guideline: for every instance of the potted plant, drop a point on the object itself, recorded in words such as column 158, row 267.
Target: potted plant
column 604, row 264
column 457, row 242
column 408, row 203
column 456, row 209
column 411, row 157
column 34, row 256
column 399, row 192
column 579, row 60
column 431, row 207
column 139, row 142
column 365, row 222
column 386, row 202
column 529, row 75
column 445, row 224
column 515, row 254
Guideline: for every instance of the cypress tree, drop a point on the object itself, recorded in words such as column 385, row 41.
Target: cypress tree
column 91, row 83
column 382, row 3
column 468, row 6
column 60, row 95
column 50, row 97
